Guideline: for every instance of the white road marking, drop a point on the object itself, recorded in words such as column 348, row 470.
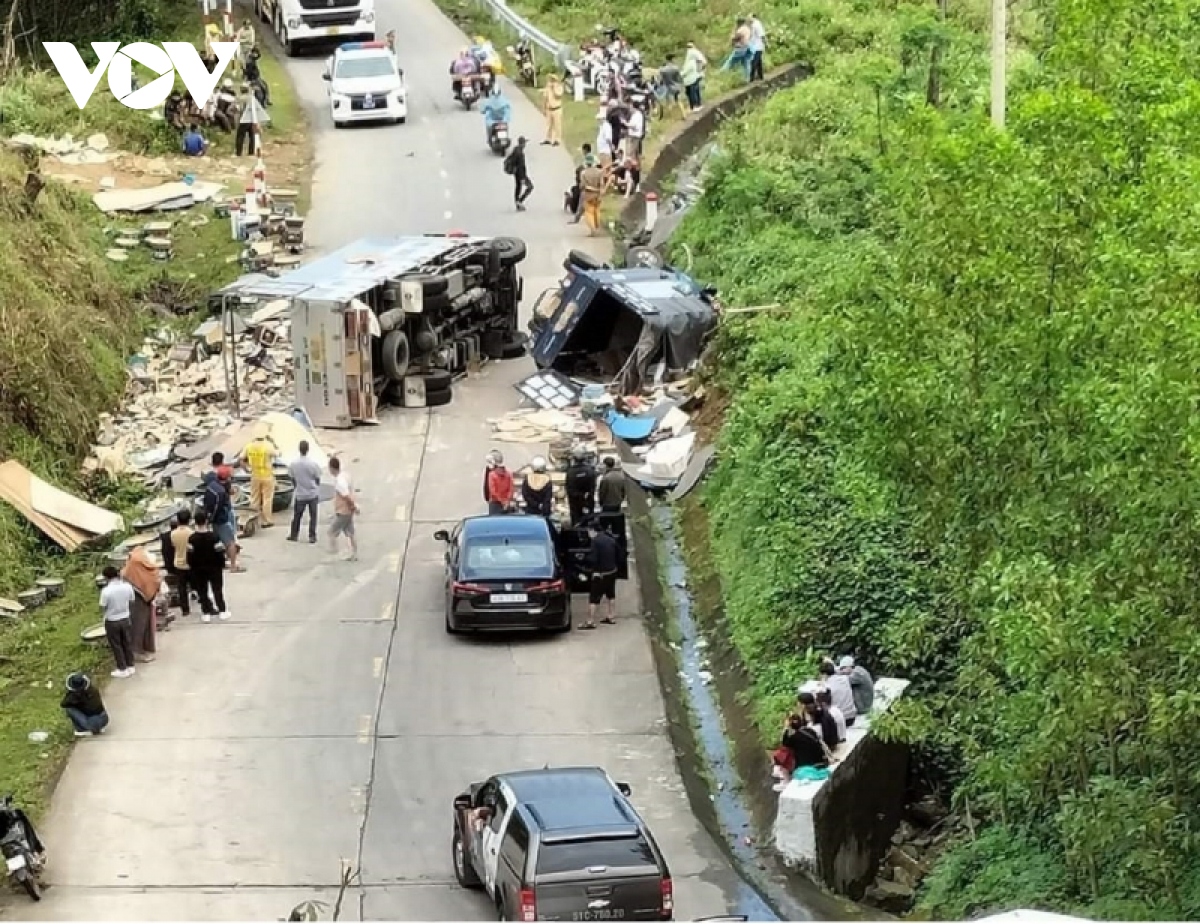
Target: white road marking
column 393, row 563
column 385, row 613
column 444, row 174
column 377, row 668
column 448, row 215
column 364, row 729
column 401, row 512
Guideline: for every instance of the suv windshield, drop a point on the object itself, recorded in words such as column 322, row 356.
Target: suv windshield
column 573, row 856
column 372, row 66
column 525, row 558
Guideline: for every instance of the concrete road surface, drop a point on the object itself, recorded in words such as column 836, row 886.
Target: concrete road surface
column 332, row 720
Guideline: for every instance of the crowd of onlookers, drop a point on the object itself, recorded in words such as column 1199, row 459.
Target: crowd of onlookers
column 841, row 697
column 229, row 109
column 628, row 100
column 198, row 547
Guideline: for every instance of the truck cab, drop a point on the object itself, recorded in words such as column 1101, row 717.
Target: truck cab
column 297, row 23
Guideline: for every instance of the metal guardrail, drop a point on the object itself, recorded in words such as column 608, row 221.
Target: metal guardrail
column 503, row 14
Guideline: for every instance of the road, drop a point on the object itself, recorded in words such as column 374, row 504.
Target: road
column 333, row 720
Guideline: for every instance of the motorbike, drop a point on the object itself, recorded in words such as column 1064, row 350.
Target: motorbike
column 523, row 52
column 468, row 92
column 23, row 864
column 498, row 139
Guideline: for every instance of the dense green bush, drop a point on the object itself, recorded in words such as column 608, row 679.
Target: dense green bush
column 968, row 453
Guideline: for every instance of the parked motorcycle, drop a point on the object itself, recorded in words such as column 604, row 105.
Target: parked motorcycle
column 21, row 857
column 498, row 139
column 523, row 52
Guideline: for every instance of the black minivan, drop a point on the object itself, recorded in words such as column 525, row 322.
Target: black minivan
column 560, row 844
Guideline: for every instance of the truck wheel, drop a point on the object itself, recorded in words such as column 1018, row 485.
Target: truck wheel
column 646, row 257
column 577, row 259
column 438, row 380
column 438, row 398
column 492, row 345
column 395, row 355
column 512, row 250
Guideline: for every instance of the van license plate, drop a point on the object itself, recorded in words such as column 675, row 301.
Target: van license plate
column 600, row 914
column 14, row 863
column 509, row 598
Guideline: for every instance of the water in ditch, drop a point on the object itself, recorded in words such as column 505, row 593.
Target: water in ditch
column 768, row 893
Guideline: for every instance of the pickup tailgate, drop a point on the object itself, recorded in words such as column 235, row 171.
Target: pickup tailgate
column 604, row 880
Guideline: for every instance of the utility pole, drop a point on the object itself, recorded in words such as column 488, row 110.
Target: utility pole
column 999, row 66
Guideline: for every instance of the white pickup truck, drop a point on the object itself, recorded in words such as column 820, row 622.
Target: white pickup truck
column 297, row 22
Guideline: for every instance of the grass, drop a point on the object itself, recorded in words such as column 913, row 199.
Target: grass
column 69, row 319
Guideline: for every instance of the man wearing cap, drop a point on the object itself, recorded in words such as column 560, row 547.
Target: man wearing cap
column 861, row 684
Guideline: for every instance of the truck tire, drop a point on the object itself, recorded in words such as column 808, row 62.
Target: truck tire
column 512, row 250
column 439, row 398
column 577, row 259
column 646, row 257
column 492, row 344
column 513, row 348
column 438, row 380
column 395, row 355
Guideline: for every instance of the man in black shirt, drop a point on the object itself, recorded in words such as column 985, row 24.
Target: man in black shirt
column 603, row 559
column 518, row 169
column 581, row 489
column 206, row 566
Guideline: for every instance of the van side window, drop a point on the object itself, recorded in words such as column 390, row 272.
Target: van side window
column 515, row 847
column 500, row 807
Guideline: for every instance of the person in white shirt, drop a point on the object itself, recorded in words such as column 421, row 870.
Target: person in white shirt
column 345, row 507
column 604, row 141
column 635, row 129
column 116, row 600
column 839, row 688
column 825, row 698
column 758, row 46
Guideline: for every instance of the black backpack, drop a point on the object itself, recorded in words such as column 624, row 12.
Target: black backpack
column 510, row 163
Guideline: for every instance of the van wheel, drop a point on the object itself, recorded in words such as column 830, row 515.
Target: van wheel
column 395, row 355
column 512, row 250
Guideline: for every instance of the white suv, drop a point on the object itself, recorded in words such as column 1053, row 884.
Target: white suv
column 365, row 84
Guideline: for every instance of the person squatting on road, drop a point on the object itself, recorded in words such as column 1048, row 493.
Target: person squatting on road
column 84, row 706
column 206, row 558
column 538, row 490
column 142, row 575
column 344, row 509
column 306, row 477
column 602, row 563
column 115, row 601
column 498, row 489
column 516, row 166
column 259, row 458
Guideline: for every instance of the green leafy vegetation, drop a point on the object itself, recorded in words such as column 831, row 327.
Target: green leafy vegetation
column 69, row 320
column 968, row 450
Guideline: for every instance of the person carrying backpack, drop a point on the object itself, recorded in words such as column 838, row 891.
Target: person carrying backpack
column 516, row 167
column 581, row 488
column 218, row 504
column 498, row 486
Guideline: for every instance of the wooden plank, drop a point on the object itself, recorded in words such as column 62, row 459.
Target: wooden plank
column 16, row 488
column 73, row 511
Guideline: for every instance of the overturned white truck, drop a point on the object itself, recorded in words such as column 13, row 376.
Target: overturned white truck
column 392, row 319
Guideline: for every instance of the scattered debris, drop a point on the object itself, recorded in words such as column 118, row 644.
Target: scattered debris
column 162, row 198
column 178, row 392
column 64, row 518
column 94, row 150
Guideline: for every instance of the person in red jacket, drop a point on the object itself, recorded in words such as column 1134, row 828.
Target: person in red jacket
column 497, row 484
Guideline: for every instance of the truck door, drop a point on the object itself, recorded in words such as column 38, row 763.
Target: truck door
column 319, row 352
column 491, row 836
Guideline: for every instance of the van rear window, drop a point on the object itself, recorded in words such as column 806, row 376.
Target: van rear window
column 618, row 853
